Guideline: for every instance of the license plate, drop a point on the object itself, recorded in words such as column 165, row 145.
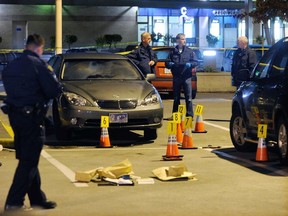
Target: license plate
column 167, row 71
column 118, row 117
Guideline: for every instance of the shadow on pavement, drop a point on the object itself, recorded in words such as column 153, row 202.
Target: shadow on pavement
column 247, row 160
column 118, row 137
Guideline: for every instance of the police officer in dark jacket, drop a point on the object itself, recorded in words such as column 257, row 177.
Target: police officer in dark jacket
column 29, row 83
column 243, row 59
column 181, row 61
column 143, row 56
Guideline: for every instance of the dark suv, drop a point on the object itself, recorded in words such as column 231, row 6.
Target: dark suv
column 263, row 98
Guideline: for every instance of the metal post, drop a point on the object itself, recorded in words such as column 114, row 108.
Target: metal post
column 58, row 19
column 248, row 21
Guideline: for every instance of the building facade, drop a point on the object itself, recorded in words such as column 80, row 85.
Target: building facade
column 88, row 22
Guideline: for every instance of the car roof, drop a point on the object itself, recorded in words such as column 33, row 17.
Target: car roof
column 253, row 46
column 67, row 56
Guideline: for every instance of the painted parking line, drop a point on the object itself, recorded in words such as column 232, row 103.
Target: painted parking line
column 212, row 100
column 8, row 129
column 62, row 168
column 217, row 126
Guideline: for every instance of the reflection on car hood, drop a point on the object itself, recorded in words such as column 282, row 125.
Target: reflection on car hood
column 109, row 90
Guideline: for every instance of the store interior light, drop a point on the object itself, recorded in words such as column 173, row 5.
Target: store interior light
column 209, row 53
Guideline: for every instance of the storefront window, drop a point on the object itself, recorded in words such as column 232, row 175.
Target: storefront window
column 215, row 28
column 241, row 28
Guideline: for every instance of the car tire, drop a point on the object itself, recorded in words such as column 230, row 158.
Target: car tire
column 61, row 133
column 282, row 130
column 150, row 134
column 238, row 133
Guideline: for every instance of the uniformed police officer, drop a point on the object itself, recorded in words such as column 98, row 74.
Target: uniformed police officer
column 181, row 61
column 244, row 59
column 29, row 84
column 143, row 56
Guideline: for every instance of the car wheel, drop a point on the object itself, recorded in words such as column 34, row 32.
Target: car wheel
column 238, row 133
column 61, row 132
column 150, row 134
column 282, row 141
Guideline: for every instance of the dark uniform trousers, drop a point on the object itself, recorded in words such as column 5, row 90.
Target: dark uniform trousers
column 28, row 140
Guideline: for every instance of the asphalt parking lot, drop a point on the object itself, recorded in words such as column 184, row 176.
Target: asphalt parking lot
column 228, row 182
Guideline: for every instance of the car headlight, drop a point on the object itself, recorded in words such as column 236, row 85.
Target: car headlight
column 151, row 99
column 76, row 100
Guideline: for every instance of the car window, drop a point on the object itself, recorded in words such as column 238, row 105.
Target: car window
column 114, row 69
column 51, row 61
column 261, row 70
column 56, row 65
column 280, row 64
column 162, row 54
column 230, row 54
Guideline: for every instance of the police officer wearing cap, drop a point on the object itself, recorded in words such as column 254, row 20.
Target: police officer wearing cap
column 143, row 56
column 29, row 83
column 181, row 60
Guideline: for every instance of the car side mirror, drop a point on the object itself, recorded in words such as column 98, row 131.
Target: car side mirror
column 243, row 75
column 150, row 77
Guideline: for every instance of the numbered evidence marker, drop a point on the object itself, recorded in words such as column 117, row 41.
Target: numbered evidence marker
column 199, row 110
column 104, row 122
column 172, row 128
column 188, row 122
column 182, row 109
column 262, row 131
column 177, row 117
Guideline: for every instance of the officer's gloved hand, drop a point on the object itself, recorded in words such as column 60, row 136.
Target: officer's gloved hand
column 170, row 64
column 188, row 65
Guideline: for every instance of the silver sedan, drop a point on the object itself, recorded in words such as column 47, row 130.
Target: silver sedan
column 96, row 85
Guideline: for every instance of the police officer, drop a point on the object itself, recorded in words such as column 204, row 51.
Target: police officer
column 243, row 59
column 29, row 84
column 181, row 60
column 143, row 56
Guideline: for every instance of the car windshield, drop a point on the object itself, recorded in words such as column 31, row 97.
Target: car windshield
column 87, row 69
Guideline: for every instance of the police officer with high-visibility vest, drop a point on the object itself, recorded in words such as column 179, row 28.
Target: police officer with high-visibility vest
column 29, row 83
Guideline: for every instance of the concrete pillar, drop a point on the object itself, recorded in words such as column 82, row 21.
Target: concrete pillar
column 58, row 20
column 249, row 21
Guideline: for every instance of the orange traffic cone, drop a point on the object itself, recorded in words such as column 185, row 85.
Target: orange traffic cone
column 187, row 140
column 199, row 125
column 262, row 153
column 104, row 139
column 172, row 152
column 183, row 123
column 179, row 133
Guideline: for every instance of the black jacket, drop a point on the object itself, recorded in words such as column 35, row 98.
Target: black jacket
column 141, row 56
column 242, row 59
column 179, row 61
column 28, row 80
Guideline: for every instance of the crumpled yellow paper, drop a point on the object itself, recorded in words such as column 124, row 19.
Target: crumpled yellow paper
column 117, row 170
column 178, row 171
column 114, row 172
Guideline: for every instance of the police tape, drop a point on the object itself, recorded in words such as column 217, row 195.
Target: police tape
column 5, row 51
column 82, row 47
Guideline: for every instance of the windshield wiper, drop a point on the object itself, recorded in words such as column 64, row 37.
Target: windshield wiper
column 97, row 76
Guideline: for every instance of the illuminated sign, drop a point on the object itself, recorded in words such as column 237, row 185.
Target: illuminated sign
column 225, row 12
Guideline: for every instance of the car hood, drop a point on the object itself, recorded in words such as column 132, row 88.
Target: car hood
column 109, row 90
